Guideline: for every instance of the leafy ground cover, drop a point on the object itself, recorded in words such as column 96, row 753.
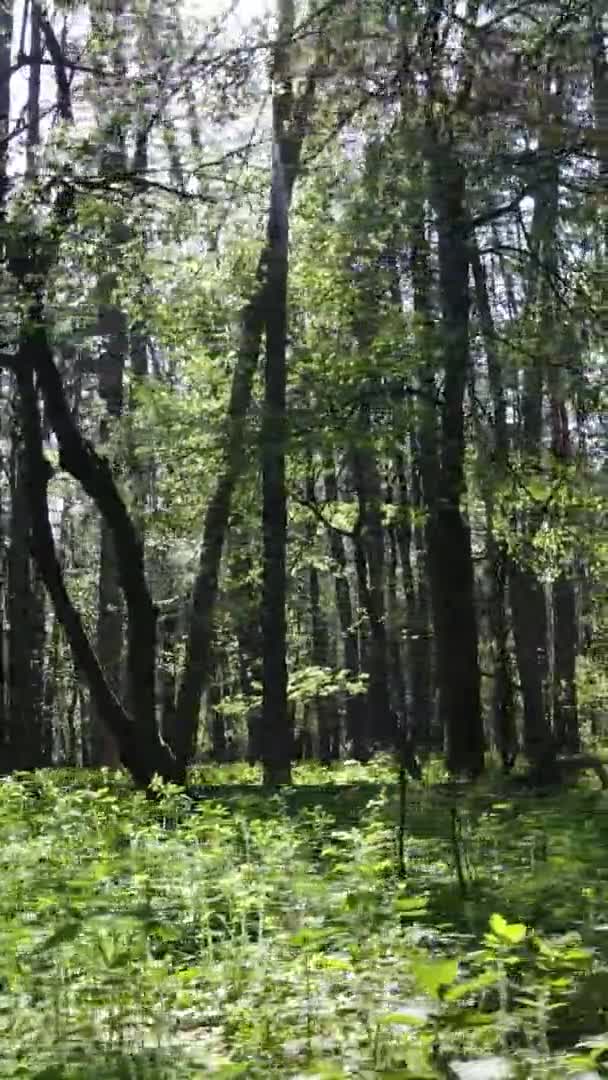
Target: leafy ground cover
column 245, row 934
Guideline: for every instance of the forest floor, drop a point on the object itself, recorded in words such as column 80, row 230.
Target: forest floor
column 244, row 934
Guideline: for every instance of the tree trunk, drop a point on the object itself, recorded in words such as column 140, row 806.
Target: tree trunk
column 29, row 744
column 141, row 749
column 112, row 327
column 369, row 555
column 449, row 535
column 325, row 708
column 104, row 750
column 275, row 726
column 565, row 707
column 356, row 732
column 167, row 674
column 200, row 632
column 276, row 731
column 395, row 620
column 25, row 603
column 528, row 601
column 563, row 591
column 505, row 732
column 215, row 718
column 424, row 447
column 245, row 609
column 417, row 614
column 6, row 33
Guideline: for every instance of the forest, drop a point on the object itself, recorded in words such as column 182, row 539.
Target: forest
column 303, row 539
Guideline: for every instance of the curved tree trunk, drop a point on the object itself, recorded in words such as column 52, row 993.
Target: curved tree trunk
column 143, row 756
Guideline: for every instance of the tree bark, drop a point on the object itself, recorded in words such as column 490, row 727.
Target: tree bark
column 425, row 455
column 417, row 614
column 31, row 743
column 369, row 554
column 497, row 557
column 112, row 326
column 245, row 609
column 449, row 535
column 356, row 729
column 276, row 730
column 28, row 745
column 6, row 33
column 528, row 600
column 394, row 608
column 326, row 713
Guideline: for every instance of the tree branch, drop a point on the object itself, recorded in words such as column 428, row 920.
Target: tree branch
column 313, row 506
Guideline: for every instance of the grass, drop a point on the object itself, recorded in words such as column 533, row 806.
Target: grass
column 243, row 934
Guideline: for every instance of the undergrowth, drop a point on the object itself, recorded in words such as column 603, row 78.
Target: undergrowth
column 242, row 934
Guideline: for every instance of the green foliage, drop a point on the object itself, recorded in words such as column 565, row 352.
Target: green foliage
column 239, row 935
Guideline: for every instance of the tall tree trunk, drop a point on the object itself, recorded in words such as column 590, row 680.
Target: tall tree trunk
column 26, row 602
column 276, row 730
column 6, row 33
column 449, row 536
column 167, row 672
column 563, row 590
column 26, row 629
column 565, row 706
column 528, row 599
column 497, row 557
column 356, row 731
column 416, row 602
column 244, row 607
column 112, row 327
column 253, row 321
column 417, row 708
column 395, row 621
column 425, row 438
column 113, row 330
column 369, row 554
column 325, row 707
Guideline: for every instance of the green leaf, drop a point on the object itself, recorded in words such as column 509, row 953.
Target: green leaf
column 472, row 986
column 434, row 975
column 510, row 933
